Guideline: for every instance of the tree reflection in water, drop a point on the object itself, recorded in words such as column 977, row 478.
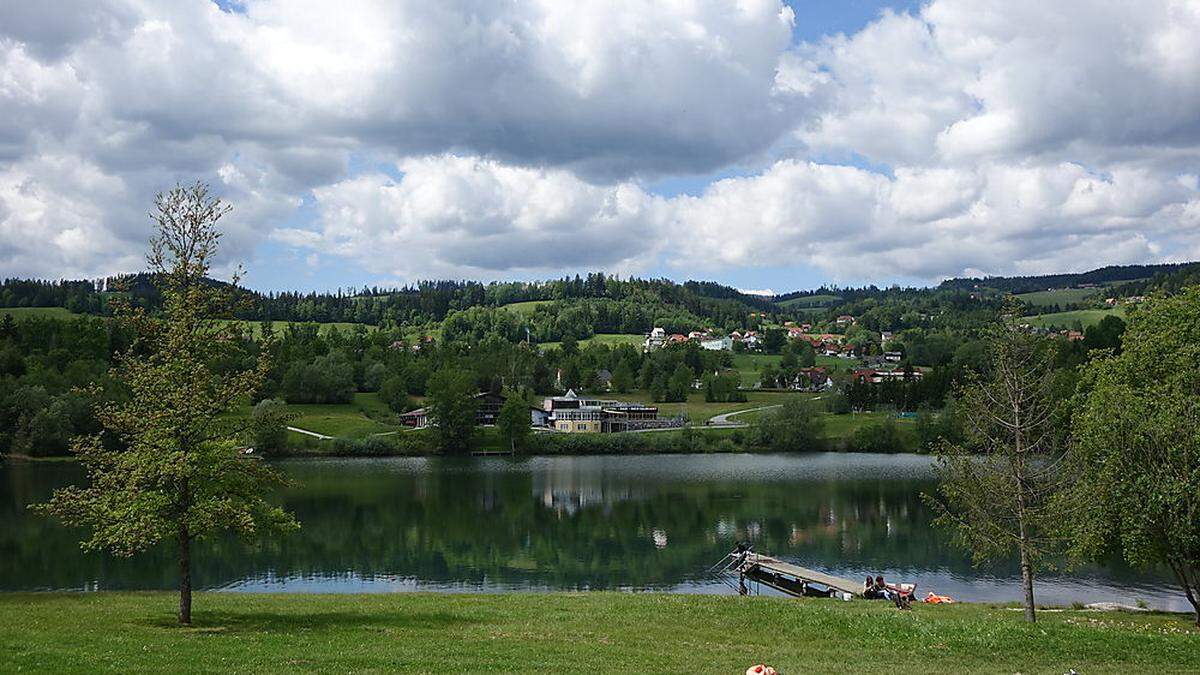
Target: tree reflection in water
column 642, row 522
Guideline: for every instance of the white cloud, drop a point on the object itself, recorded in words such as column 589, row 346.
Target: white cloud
column 998, row 135
column 465, row 216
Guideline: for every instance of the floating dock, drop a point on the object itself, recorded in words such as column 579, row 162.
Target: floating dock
column 783, row 576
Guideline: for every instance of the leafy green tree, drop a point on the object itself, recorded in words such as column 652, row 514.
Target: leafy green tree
column 178, row 475
column 452, row 407
column 680, row 384
column 513, row 422
column 794, row 427
column 1136, row 449
column 998, row 490
column 769, row 379
column 623, row 377
column 394, row 394
column 269, row 420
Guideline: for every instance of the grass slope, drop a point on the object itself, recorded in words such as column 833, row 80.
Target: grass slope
column 525, row 308
column 810, row 301
column 610, row 339
column 559, row 632
column 1085, row 317
column 19, row 313
column 1057, row 296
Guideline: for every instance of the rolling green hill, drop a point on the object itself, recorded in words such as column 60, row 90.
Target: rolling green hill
column 809, row 301
column 1058, row 296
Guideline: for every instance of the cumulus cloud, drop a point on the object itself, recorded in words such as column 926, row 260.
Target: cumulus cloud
column 465, row 216
column 457, row 138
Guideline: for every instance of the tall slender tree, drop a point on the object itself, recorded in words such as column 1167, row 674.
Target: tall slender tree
column 998, row 488
column 175, row 475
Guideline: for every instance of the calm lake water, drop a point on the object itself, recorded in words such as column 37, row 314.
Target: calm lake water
column 546, row 523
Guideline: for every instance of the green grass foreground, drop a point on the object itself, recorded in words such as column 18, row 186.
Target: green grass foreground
column 571, row 632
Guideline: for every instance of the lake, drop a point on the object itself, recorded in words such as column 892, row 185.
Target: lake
column 646, row 522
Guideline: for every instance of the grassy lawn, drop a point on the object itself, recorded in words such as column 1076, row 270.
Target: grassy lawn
column 571, row 632
column 842, row 426
column 1085, row 317
column 750, row 366
column 19, row 313
column 348, row 420
column 1058, row 296
column 610, row 339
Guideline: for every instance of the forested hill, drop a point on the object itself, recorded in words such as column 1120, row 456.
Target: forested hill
column 1168, row 282
column 609, row 303
column 1102, row 276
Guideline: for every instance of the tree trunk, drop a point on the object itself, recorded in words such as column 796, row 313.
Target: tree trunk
column 184, row 537
column 185, row 576
column 1027, row 585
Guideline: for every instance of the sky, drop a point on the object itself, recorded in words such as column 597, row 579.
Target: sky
column 771, row 146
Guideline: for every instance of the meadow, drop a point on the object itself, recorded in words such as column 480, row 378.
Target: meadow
column 597, row 632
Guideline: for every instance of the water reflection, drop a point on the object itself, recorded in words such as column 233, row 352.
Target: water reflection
column 644, row 522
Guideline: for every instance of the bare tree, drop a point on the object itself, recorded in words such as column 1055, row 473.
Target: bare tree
column 997, row 489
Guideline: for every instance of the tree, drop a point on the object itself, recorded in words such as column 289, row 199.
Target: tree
column 452, row 407
column 177, row 475
column 1135, row 446
column 680, row 384
column 393, row 391
column 623, row 377
column 270, row 418
column 513, row 422
column 997, row 491
column 794, row 427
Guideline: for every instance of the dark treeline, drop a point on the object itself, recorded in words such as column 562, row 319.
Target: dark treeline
column 427, row 301
column 1103, row 275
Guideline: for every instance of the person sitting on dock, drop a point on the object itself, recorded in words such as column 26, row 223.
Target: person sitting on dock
column 869, row 592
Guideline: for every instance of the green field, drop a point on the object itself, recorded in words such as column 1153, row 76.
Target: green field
column 820, row 301
column 750, row 366
column 1058, row 296
column 19, row 313
column 343, row 420
column 571, row 633
column 1085, row 318
column 525, row 308
column 610, row 339
column 698, row 411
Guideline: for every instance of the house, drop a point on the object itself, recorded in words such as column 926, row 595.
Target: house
column 487, row 411
column 676, row 338
column 698, row 335
column 1074, row 335
column 806, row 327
column 886, row 337
column 750, row 338
column 603, row 378
column 845, row 319
column 655, row 339
column 894, row 357
column 717, row 344
column 812, row 379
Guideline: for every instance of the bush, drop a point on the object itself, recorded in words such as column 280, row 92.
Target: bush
column 795, row 427
column 883, row 436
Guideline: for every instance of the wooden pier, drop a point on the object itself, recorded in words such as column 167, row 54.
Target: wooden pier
column 792, row 579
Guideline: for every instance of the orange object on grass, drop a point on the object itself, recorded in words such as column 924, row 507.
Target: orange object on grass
column 935, row 599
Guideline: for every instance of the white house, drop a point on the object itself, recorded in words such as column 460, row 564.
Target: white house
column 717, row 344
